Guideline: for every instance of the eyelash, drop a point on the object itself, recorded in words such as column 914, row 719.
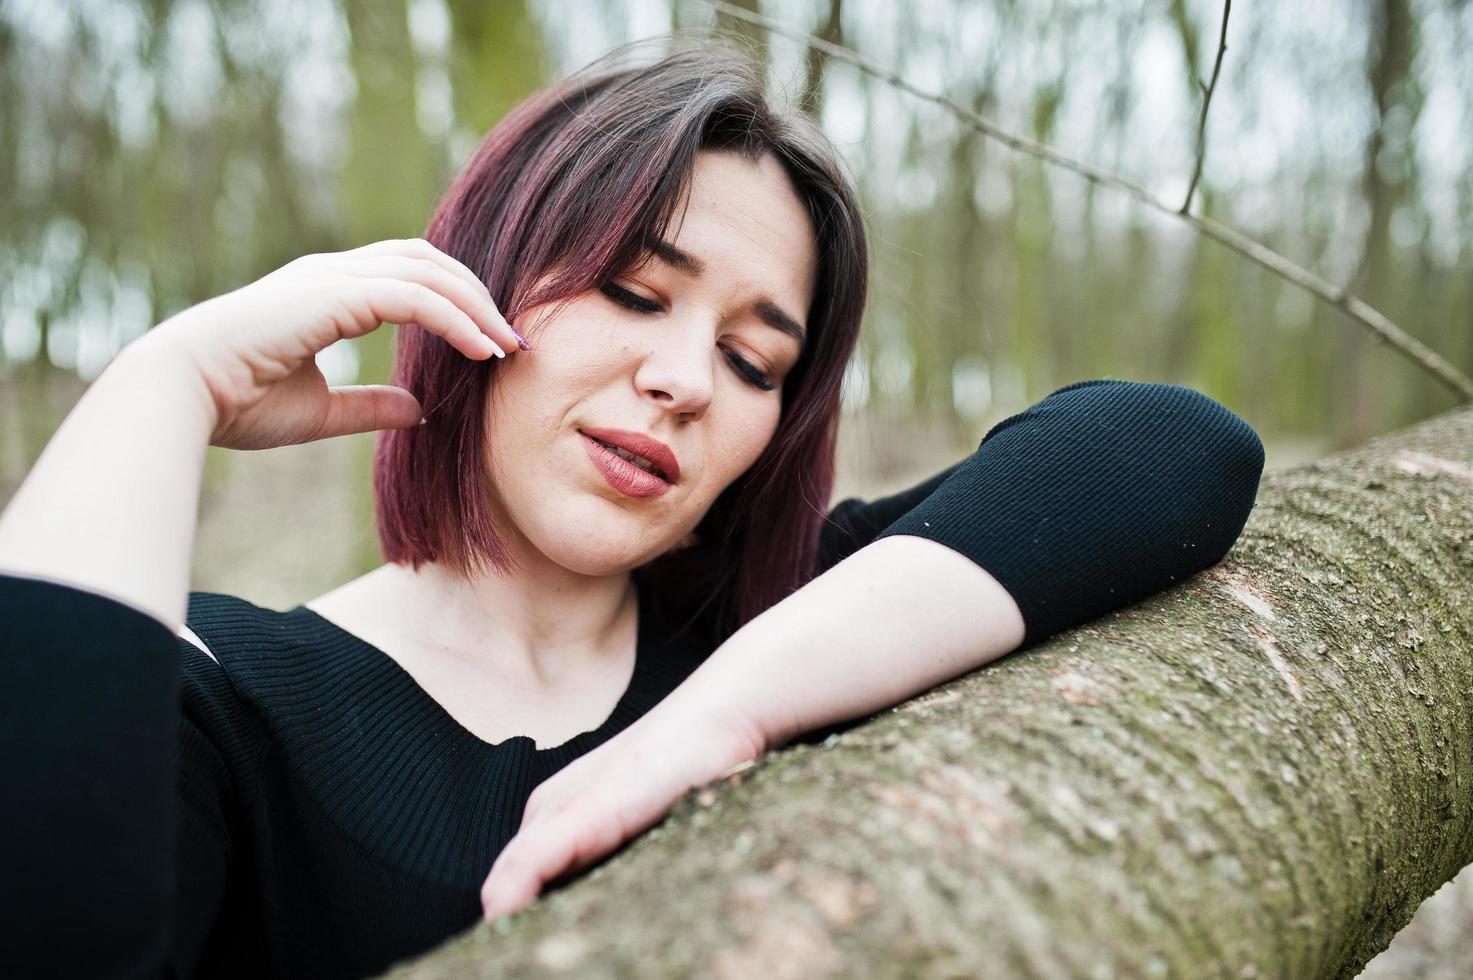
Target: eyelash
column 633, row 301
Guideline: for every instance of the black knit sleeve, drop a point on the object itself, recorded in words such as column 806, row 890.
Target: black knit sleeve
column 106, row 780
column 1089, row 500
column 853, row 523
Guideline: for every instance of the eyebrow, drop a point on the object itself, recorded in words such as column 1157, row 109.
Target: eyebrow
column 769, row 312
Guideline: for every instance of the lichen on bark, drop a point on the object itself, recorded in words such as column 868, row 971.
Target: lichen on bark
column 1259, row 773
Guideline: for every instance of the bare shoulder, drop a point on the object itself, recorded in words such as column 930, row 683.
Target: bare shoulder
column 367, row 606
column 354, row 598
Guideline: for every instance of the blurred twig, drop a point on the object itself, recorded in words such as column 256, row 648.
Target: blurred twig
column 1358, row 310
column 1207, row 90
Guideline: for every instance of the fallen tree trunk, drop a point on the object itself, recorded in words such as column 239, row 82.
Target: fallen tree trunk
column 1260, row 773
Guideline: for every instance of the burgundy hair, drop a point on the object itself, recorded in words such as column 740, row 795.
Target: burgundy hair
column 570, row 186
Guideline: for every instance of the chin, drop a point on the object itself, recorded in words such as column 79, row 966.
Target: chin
column 606, row 550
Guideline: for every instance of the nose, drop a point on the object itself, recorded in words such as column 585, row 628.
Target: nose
column 677, row 370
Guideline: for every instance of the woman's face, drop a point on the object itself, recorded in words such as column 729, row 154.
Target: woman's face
column 656, row 352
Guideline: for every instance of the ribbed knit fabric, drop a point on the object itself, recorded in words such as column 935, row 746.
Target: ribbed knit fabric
column 1096, row 497
column 304, row 808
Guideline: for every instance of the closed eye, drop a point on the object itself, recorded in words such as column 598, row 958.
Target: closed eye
column 633, row 301
column 640, row 304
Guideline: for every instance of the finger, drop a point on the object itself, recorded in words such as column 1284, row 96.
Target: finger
column 397, row 301
column 368, row 408
column 473, row 299
column 506, row 901
column 539, row 853
column 590, row 847
column 578, row 840
column 530, row 811
column 423, row 249
column 547, row 804
column 512, row 883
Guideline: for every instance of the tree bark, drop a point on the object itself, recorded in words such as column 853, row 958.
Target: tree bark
column 1259, row 773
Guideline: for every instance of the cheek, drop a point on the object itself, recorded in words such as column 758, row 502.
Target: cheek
column 747, row 439
column 536, row 389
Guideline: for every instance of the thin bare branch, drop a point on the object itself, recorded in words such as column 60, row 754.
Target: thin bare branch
column 1337, row 296
column 1207, row 90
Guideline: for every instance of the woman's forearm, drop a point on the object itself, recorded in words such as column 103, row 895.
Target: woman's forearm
column 894, row 619
column 112, row 503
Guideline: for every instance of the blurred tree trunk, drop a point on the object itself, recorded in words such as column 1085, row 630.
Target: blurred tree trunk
column 498, row 58
column 11, row 92
column 1181, row 338
column 392, row 175
column 1206, row 339
column 1259, row 773
column 751, row 37
column 957, row 251
column 1032, row 235
column 1386, row 169
column 389, row 185
column 814, row 61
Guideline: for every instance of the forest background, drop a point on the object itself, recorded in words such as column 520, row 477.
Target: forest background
column 154, row 154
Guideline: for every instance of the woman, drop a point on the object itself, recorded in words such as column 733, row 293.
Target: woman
column 610, row 575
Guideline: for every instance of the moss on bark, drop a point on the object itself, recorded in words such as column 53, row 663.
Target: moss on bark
column 1259, row 773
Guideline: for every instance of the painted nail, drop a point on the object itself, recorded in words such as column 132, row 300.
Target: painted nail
column 521, row 341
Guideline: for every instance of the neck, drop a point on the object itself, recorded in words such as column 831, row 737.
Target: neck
column 544, row 623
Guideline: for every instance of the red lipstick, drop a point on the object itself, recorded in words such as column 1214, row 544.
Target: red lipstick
column 653, row 450
column 629, row 477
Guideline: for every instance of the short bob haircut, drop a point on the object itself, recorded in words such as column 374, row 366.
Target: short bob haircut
column 562, row 195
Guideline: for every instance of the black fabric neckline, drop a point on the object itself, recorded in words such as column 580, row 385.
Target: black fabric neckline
column 356, row 731
column 624, row 710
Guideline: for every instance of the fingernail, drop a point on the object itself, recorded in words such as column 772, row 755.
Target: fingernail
column 521, row 341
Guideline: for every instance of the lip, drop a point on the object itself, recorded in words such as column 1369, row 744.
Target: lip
column 621, row 474
column 641, row 445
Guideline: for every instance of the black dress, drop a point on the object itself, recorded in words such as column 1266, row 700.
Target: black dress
column 294, row 804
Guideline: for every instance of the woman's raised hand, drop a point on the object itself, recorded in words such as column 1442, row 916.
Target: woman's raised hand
column 254, row 347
